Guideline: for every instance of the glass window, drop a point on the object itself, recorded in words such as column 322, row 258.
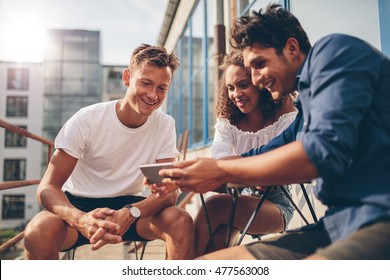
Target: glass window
column 13, row 139
column 384, row 17
column 192, row 102
column 17, row 79
column 14, row 169
column 185, row 71
column 13, row 206
column 243, row 6
column 212, row 91
column 172, row 100
column 197, row 107
column 17, row 106
column 197, row 71
column 211, row 88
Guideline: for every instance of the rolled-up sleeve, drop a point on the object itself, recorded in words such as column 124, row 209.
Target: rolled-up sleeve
column 336, row 89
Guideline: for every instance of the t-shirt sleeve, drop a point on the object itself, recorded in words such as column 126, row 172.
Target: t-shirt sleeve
column 74, row 135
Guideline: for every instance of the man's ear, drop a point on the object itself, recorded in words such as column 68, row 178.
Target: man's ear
column 126, row 76
column 291, row 48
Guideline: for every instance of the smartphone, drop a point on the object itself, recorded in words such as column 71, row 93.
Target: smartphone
column 151, row 171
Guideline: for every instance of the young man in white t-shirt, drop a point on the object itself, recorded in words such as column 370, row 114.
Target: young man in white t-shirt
column 92, row 186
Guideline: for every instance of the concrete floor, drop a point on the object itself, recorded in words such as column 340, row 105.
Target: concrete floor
column 155, row 250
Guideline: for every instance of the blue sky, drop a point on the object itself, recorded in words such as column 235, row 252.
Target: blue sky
column 124, row 24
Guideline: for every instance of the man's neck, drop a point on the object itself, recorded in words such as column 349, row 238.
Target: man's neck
column 127, row 116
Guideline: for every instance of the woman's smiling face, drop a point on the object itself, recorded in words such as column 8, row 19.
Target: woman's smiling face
column 240, row 89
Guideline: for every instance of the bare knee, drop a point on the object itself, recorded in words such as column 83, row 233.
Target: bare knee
column 37, row 228
column 218, row 207
column 43, row 234
column 175, row 222
column 180, row 221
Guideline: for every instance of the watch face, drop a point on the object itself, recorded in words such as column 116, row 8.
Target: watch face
column 135, row 212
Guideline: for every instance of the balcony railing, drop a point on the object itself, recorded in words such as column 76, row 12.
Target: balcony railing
column 22, row 183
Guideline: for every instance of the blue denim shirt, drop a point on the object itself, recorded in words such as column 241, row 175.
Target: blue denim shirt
column 344, row 125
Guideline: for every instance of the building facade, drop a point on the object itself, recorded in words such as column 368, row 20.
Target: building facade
column 72, row 77
column 41, row 98
column 21, row 92
column 112, row 84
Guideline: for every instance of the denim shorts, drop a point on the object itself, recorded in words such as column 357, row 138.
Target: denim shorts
column 277, row 197
column 87, row 204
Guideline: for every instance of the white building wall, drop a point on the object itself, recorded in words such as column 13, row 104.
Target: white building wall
column 359, row 18
column 33, row 152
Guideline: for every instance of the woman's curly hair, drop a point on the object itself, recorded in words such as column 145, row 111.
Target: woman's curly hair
column 225, row 107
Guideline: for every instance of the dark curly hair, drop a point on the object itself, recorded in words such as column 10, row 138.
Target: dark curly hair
column 271, row 29
column 225, row 107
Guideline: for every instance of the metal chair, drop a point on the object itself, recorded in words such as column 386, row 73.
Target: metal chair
column 235, row 192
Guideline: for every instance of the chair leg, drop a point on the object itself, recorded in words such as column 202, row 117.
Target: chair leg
column 70, row 254
column 295, row 206
column 234, row 192
column 208, row 222
column 313, row 214
column 135, row 250
column 143, row 249
column 253, row 216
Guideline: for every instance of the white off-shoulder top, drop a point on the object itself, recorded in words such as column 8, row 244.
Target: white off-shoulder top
column 229, row 140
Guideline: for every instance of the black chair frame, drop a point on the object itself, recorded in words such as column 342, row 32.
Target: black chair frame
column 235, row 192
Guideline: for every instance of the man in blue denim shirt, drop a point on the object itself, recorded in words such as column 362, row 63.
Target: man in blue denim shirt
column 340, row 140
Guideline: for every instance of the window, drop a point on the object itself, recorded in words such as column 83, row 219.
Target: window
column 17, row 106
column 191, row 98
column 13, row 139
column 17, row 79
column 384, row 16
column 14, row 169
column 13, row 207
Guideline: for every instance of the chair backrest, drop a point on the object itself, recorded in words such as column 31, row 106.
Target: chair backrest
column 182, row 144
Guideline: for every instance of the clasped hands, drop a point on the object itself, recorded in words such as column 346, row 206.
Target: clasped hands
column 104, row 226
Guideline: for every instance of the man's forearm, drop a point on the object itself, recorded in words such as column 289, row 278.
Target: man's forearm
column 55, row 201
column 287, row 164
column 152, row 204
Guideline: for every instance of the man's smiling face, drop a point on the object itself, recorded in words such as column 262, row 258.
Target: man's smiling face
column 148, row 86
column 272, row 71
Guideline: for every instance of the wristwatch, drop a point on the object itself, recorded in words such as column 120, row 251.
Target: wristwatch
column 134, row 211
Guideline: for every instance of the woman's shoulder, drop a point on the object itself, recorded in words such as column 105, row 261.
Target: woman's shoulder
column 223, row 123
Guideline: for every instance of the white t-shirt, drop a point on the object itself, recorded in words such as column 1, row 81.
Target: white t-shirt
column 109, row 153
column 230, row 140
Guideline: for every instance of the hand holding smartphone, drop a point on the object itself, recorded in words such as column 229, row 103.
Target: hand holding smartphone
column 151, row 171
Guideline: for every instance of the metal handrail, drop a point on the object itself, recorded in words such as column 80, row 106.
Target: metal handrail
column 22, row 183
column 18, row 184
column 11, row 242
column 28, row 134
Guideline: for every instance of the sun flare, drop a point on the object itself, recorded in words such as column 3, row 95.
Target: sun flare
column 23, row 41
